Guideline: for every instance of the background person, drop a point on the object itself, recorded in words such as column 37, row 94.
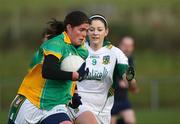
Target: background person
column 122, row 106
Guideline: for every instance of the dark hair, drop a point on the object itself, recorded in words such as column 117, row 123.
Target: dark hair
column 99, row 17
column 74, row 18
column 54, row 28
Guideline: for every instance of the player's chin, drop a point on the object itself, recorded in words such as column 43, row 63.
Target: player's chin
column 96, row 41
column 79, row 42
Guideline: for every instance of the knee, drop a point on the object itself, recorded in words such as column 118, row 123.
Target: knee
column 129, row 117
column 130, row 120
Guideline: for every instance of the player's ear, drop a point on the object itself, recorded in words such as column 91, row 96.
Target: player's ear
column 69, row 28
column 106, row 32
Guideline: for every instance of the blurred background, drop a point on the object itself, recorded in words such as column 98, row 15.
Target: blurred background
column 154, row 24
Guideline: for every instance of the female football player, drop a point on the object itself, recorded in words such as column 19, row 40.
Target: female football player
column 104, row 59
column 46, row 90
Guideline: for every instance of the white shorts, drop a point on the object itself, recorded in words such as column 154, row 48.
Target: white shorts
column 30, row 114
column 103, row 116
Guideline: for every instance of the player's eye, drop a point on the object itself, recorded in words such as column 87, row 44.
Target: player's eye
column 82, row 29
column 100, row 29
column 91, row 29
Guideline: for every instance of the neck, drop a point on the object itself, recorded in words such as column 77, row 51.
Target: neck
column 96, row 47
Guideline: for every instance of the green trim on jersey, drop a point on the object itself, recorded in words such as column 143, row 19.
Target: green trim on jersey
column 121, row 69
column 15, row 106
column 111, row 91
column 106, row 43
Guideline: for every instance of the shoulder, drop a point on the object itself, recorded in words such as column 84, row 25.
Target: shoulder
column 121, row 57
column 54, row 46
column 116, row 50
column 56, row 42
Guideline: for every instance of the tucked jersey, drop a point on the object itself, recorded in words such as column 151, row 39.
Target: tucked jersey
column 46, row 93
column 102, row 64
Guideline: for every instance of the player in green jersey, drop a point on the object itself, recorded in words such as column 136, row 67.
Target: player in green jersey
column 46, row 90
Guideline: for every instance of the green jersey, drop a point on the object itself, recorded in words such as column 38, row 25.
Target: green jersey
column 46, row 93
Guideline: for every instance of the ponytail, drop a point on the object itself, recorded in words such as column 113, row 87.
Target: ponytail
column 74, row 18
column 54, row 28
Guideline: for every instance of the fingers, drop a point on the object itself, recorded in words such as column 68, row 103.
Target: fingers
column 124, row 78
column 75, row 76
column 123, row 84
column 133, row 87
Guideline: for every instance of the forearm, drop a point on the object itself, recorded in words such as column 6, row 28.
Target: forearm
column 51, row 70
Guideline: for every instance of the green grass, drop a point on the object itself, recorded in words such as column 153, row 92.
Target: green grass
column 3, row 116
column 162, row 116
column 14, row 63
column 157, row 65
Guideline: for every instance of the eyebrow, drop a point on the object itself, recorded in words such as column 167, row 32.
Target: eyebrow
column 97, row 27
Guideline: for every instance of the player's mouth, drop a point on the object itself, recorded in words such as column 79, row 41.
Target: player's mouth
column 81, row 39
column 95, row 38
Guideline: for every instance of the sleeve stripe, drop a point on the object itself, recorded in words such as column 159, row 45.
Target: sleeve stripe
column 46, row 52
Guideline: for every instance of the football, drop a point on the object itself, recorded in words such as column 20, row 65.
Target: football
column 71, row 63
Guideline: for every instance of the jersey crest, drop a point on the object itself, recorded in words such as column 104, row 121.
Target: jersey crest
column 106, row 59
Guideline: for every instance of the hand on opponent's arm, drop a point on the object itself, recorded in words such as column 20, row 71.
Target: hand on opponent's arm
column 81, row 74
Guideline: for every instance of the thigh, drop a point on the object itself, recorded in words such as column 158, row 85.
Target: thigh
column 58, row 118
column 22, row 111
column 113, row 120
column 86, row 117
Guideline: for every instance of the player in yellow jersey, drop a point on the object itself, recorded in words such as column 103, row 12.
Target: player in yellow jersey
column 46, row 90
